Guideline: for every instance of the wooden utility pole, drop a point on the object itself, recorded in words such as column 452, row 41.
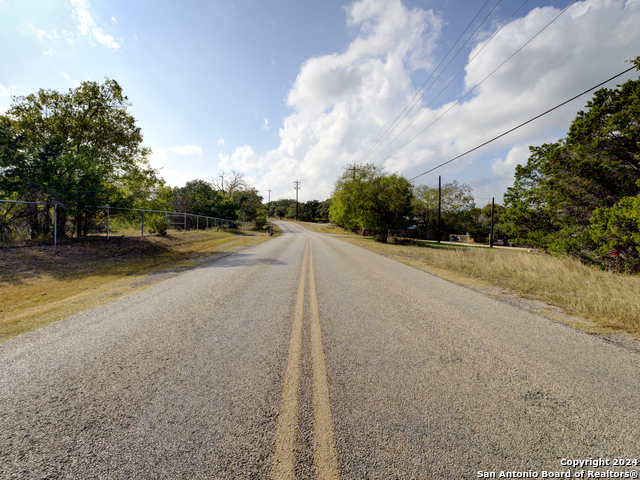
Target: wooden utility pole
column 491, row 231
column 439, row 205
column 297, row 187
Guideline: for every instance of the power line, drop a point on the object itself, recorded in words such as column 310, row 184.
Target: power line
column 436, row 79
column 390, row 129
column 452, row 80
column 522, row 124
column 476, row 86
column 384, row 135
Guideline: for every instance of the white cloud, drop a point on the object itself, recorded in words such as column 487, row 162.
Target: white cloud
column 187, row 150
column 7, row 92
column 113, row 20
column 243, row 160
column 75, row 83
column 49, row 52
column 516, row 155
column 157, row 154
column 87, row 25
column 265, row 125
column 221, row 142
column 343, row 102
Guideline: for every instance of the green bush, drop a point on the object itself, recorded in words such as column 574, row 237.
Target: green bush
column 157, row 224
column 261, row 221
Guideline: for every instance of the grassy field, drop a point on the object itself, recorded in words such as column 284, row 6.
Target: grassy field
column 40, row 284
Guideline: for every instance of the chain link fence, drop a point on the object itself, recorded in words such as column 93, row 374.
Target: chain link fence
column 21, row 221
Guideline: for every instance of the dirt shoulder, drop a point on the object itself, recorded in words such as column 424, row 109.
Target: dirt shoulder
column 40, row 284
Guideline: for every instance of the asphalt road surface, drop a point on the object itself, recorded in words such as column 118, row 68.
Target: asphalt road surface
column 308, row 357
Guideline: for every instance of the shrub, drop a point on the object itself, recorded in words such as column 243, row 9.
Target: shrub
column 261, row 221
column 157, row 224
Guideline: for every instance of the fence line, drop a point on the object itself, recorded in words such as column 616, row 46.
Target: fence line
column 217, row 222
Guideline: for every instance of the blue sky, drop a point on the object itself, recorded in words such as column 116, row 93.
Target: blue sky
column 295, row 90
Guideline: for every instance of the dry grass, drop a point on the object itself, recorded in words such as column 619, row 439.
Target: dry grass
column 608, row 299
column 40, row 284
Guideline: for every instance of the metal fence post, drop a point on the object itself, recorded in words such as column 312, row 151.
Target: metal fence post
column 107, row 223
column 142, row 234
column 207, row 224
column 185, row 223
column 197, row 222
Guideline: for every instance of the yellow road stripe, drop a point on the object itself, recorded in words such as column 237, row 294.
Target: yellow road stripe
column 284, row 462
column 326, row 459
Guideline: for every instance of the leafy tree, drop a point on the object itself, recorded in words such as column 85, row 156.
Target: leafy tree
column 248, row 202
column 481, row 230
column 323, row 210
column 199, row 197
column 81, row 148
column 616, row 232
column 279, row 208
column 365, row 196
column 456, row 212
column 568, row 191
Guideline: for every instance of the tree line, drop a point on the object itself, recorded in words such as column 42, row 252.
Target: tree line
column 82, row 148
column 366, row 197
column 310, row 211
column 578, row 196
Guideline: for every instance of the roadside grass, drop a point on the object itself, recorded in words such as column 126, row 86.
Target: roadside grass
column 610, row 300
column 40, row 284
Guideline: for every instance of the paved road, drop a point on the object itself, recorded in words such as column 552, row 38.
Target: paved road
column 308, row 357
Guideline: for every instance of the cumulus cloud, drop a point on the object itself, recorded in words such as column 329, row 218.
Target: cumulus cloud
column 265, row 125
column 343, row 102
column 187, row 150
column 243, row 160
column 113, row 20
column 87, row 25
column 221, row 142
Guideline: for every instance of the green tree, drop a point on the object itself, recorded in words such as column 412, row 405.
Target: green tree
column 249, row 204
column 556, row 195
column 480, row 231
column 81, row 148
column 456, row 212
column 199, row 197
column 365, row 196
column 323, row 210
column 616, row 234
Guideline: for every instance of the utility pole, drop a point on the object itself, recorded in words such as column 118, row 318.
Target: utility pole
column 297, row 187
column 491, row 231
column 269, row 203
column 439, row 205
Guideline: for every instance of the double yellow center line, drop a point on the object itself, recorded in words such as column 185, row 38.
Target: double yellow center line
column 325, row 457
